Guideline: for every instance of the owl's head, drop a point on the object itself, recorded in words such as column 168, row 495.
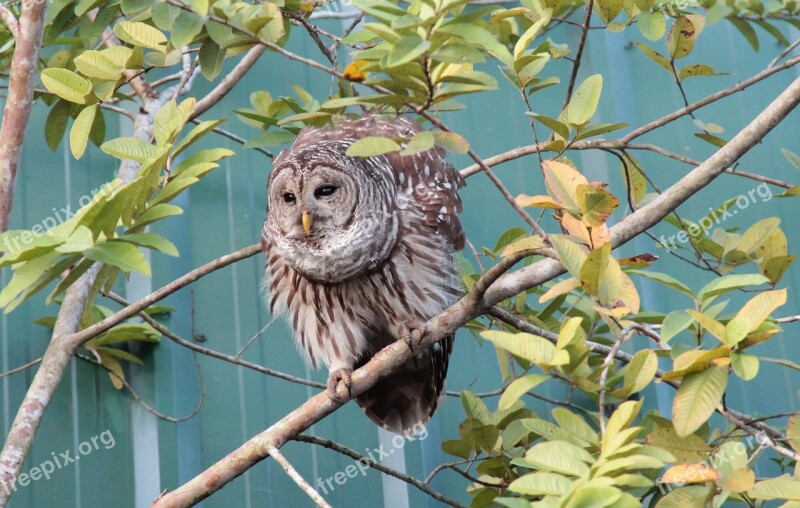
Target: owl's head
column 331, row 216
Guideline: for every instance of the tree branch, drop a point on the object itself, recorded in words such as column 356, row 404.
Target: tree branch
column 9, row 20
column 16, row 113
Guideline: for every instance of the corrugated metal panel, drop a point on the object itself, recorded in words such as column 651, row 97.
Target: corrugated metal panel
column 224, row 213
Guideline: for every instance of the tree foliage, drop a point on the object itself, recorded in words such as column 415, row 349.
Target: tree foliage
column 421, row 57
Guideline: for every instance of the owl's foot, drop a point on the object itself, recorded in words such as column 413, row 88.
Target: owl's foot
column 412, row 333
column 339, row 384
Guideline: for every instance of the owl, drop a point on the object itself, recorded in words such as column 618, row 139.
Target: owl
column 358, row 252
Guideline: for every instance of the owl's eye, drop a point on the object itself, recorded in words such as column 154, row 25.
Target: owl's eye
column 289, row 198
column 325, row 190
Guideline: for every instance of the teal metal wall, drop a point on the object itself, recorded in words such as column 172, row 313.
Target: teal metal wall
column 224, row 213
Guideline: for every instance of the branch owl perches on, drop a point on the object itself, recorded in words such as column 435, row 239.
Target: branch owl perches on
column 358, row 250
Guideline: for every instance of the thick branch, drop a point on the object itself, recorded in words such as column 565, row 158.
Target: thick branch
column 24, row 65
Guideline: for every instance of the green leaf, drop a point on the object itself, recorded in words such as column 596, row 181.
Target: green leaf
column 186, row 27
column 664, row 279
column 559, row 457
column 95, row 64
column 24, row 277
column 652, row 25
column 80, row 240
column 791, row 157
column 727, row 283
column 583, row 103
column 747, row 31
column 451, row 141
column 457, row 448
column 655, row 56
column 79, row 134
column 474, row 407
column 421, row 142
column 570, row 255
column 405, row 50
column 782, row 487
column 575, row 425
column 530, row 34
column 141, row 34
column 693, row 496
column 594, row 268
column 197, row 132
column 128, row 148
column 527, row 346
column 372, row 146
column 554, row 125
column 151, row 241
column 67, row 85
column 608, row 9
column 757, row 234
column 541, row 484
column 745, row 365
column 640, row 371
column 519, row 387
column 271, row 138
column 56, row 123
column 752, row 314
column 674, row 323
column 686, row 450
column 592, row 130
column 618, row 429
column 156, row 213
column 698, row 396
column 211, row 57
column 123, row 255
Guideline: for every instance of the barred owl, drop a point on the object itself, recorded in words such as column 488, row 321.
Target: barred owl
column 359, row 250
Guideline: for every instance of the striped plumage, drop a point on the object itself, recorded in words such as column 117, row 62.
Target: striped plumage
column 378, row 257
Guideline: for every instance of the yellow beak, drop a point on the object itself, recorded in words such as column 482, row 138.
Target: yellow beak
column 307, row 222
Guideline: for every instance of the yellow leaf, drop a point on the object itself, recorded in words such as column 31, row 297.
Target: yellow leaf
column 560, row 288
column 690, row 473
column 537, row 201
column 353, row 71
column 562, row 183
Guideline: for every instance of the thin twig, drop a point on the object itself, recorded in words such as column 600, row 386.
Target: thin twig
column 166, row 332
column 607, row 363
column 367, row 462
column 234, row 137
column 21, row 367
column 576, row 64
column 138, row 398
column 298, row 479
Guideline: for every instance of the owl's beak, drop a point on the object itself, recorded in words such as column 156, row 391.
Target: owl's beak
column 307, row 222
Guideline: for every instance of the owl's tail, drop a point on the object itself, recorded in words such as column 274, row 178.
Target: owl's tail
column 410, row 395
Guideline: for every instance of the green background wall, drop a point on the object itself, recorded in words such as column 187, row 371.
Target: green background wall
column 224, row 213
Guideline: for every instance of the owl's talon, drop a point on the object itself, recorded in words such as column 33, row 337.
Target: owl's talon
column 335, row 378
column 412, row 334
